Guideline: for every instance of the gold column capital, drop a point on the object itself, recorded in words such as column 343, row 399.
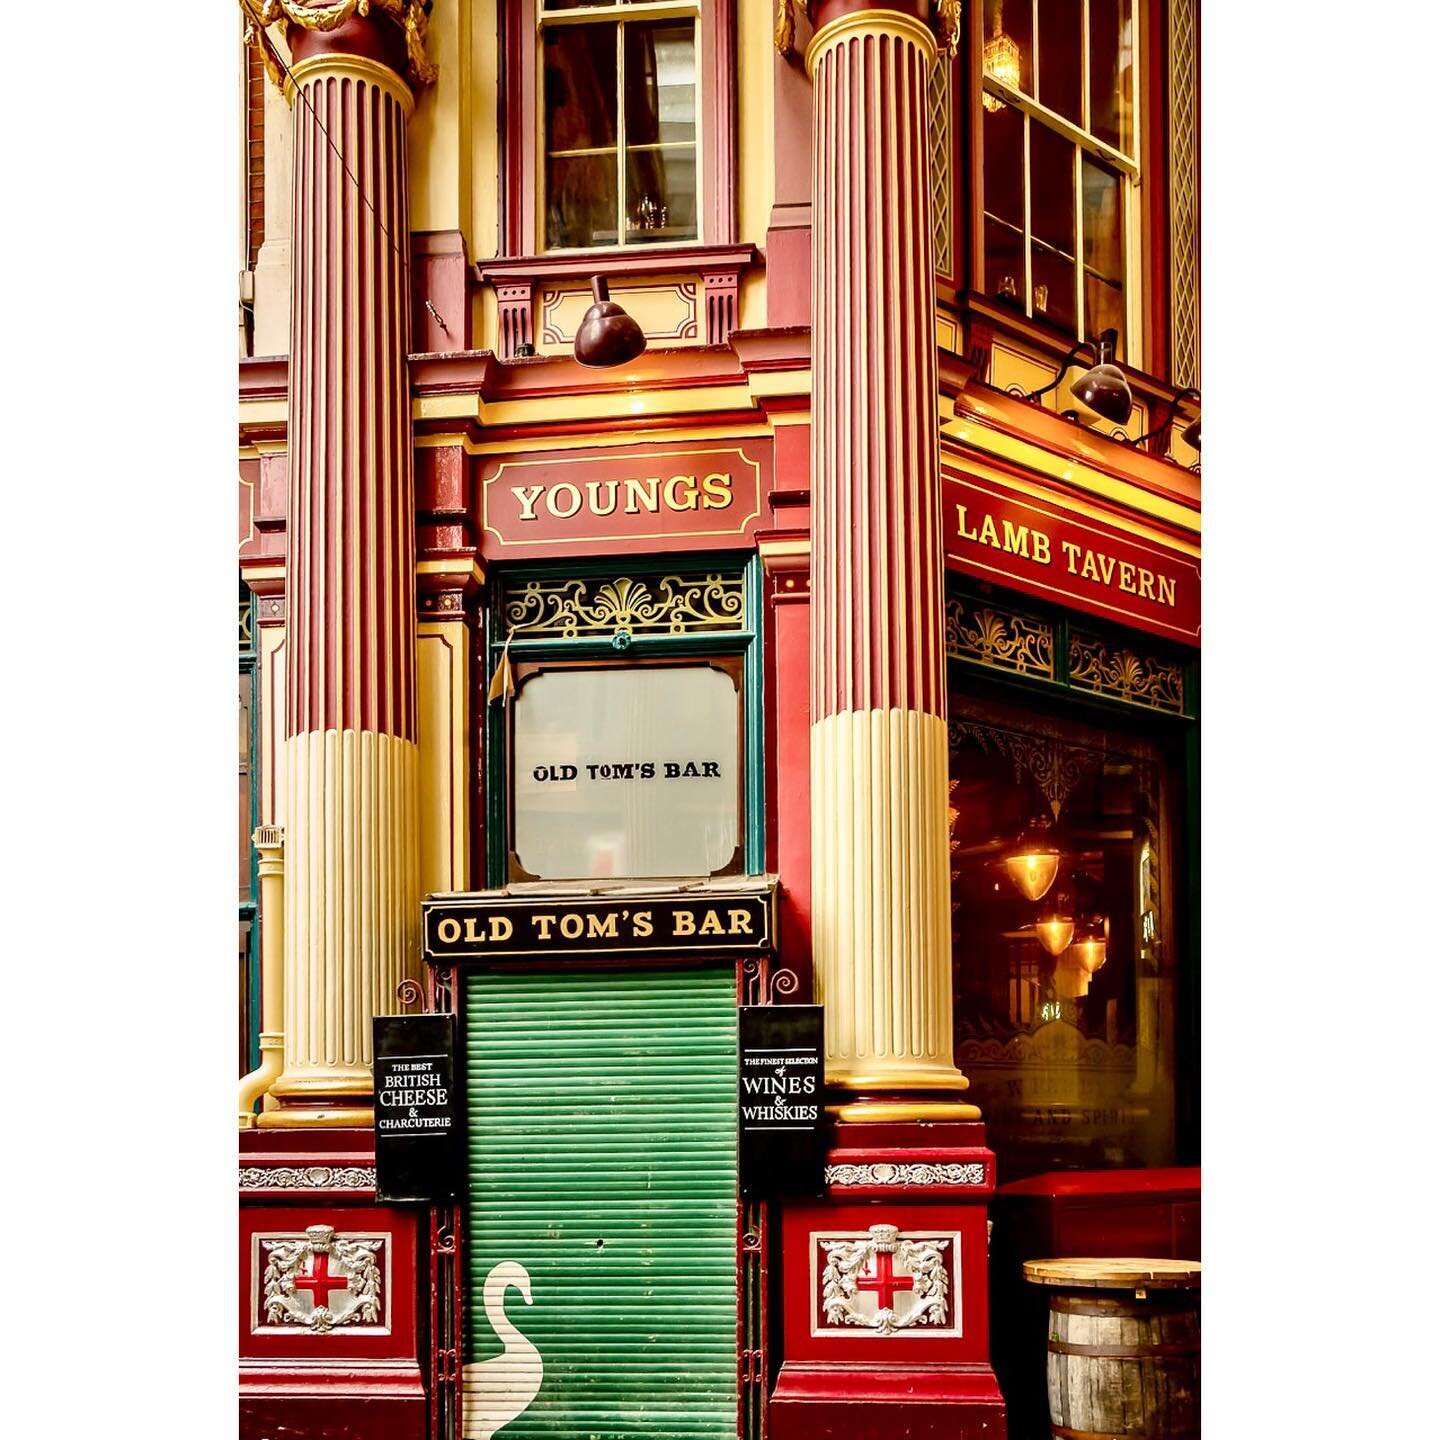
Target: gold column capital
column 326, row 16
column 871, row 21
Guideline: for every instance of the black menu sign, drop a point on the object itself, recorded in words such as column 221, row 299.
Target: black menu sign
column 782, row 1106
column 416, row 1115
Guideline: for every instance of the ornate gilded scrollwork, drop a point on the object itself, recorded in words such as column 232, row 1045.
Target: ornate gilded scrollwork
column 1055, row 766
column 411, row 15
column 947, row 14
column 623, row 605
column 785, row 26
column 1121, row 674
column 1004, row 639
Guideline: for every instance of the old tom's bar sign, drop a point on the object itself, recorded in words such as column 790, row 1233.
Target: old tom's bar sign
column 647, row 498
column 503, row 924
column 1035, row 546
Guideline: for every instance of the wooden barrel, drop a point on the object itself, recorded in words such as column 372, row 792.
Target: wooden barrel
column 1124, row 1350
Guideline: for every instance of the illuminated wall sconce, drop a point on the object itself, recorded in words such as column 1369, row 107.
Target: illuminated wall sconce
column 1034, row 862
column 607, row 335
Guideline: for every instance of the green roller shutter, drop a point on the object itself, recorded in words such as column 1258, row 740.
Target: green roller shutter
column 601, row 1130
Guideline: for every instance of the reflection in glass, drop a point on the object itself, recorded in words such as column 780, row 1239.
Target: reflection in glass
column 1060, row 55
column 1112, row 112
column 1008, row 45
column 1070, row 1054
column 628, row 772
column 1104, row 253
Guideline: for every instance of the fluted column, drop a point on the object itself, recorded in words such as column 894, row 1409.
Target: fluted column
column 352, row 850
column 878, row 753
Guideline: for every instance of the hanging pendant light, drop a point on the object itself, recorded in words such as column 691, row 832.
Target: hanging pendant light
column 1054, row 932
column 1090, row 942
column 1034, row 862
column 1054, row 926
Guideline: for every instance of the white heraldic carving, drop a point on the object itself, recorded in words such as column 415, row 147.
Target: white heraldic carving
column 321, row 1280
column 884, row 1283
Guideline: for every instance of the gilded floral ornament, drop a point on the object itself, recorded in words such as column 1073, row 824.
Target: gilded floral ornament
column 947, row 13
column 413, row 17
column 673, row 605
column 785, row 26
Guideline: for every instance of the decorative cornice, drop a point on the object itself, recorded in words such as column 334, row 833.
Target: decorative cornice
column 307, row 1177
column 324, row 16
column 969, row 1172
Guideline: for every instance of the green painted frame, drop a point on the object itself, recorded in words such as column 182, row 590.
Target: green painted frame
column 746, row 642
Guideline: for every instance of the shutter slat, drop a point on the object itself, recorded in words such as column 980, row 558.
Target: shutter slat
column 602, row 1106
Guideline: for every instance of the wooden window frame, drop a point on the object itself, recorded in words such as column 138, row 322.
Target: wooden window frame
column 522, row 137
column 1143, row 172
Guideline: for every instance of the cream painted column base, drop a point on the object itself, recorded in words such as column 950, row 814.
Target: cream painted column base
column 352, row 916
column 881, row 914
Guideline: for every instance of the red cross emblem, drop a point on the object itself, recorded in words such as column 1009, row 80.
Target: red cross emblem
column 320, row 1282
column 885, row 1282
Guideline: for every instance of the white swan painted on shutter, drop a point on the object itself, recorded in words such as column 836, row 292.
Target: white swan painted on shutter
column 496, row 1391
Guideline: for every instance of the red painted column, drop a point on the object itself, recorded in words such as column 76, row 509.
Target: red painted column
column 351, row 921
column 885, row 1277
column 880, row 867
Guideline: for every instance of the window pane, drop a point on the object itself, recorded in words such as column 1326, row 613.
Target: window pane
column 580, row 87
column 1070, row 1055
column 1105, row 310
column 1052, row 189
column 580, row 201
column 1004, row 137
column 1004, row 262
column 1060, row 55
column 1052, row 287
column 1112, row 116
column 1008, row 43
column 1104, row 221
column 627, row 772
column 659, row 82
column 660, row 194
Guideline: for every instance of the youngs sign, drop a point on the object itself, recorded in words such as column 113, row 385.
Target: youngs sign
column 647, row 498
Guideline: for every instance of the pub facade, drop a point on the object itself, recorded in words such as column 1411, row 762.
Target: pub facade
column 719, row 592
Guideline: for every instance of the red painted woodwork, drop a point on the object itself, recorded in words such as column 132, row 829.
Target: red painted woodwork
column 521, row 140
column 787, row 750
column 1124, row 566
column 1154, row 1213
column 547, row 503
column 339, row 1386
column 399, row 1342
column 374, row 37
column 439, row 273
column 848, row 1383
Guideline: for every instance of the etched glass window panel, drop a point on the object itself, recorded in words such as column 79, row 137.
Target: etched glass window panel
column 627, row 773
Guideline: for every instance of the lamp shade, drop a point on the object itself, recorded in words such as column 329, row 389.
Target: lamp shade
column 1034, row 862
column 607, row 335
column 1089, row 945
column 1054, row 933
column 1103, row 387
column 1191, row 434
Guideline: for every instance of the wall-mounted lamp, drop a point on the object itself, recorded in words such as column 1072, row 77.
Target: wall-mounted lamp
column 1190, row 434
column 607, row 335
column 1103, row 386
